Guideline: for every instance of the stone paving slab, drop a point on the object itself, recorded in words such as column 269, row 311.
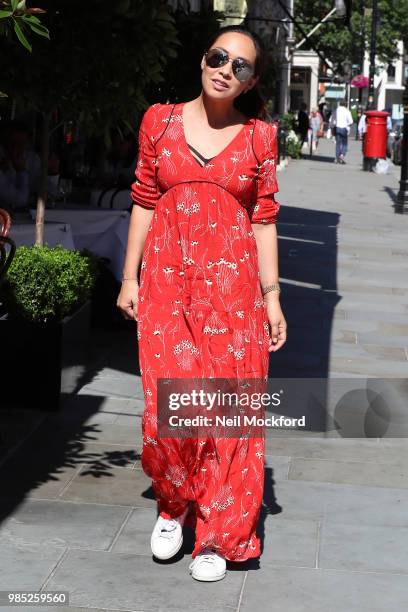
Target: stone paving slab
column 377, row 352
column 89, row 408
column 85, row 409
column 357, row 315
column 128, row 581
column 298, row 589
column 24, row 480
column 371, row 338
column 26, row 566
column 342, row 449
column 342, row 503
column 123, row 386
column 368, row 368
column 350, row 472
column 363, row 548
column 134, row 537
column 392, row 304
column 117, row 486
column 100, row 456
column 57, row 452
column 370, row 332
column 62, row 523
column 279, row 464
column 288, row 542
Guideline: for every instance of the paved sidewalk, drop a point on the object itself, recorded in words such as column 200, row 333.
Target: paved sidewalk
column 78, row 510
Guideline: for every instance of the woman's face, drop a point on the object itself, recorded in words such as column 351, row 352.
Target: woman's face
column 236, row 45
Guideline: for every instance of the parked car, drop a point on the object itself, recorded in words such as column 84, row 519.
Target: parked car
column 393, row 134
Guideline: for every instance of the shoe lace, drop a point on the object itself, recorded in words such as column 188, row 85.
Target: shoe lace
column 207, row 556
column 167, row 530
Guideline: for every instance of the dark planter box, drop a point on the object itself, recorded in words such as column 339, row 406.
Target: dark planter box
column 40, row 361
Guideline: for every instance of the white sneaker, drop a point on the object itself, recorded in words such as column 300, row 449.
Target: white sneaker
column 167, row 536
column 208, row 566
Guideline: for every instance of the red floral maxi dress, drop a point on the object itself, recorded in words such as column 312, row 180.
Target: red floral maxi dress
column 201, row 313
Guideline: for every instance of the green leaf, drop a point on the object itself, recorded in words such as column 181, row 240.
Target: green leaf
column 31, row 18
column 5, row 14
column 14, row 5
column 39, row 29
column 21, row 36
column 21, row 5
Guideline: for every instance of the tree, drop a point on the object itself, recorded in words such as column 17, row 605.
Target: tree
column 15, row 15
column 182, row 75
column 338, row 42
column 96, row 68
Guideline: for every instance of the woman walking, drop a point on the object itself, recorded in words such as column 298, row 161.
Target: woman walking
column 316, row 124
column 203, row 228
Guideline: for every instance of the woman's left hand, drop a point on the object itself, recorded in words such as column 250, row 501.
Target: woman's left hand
column 277, row 323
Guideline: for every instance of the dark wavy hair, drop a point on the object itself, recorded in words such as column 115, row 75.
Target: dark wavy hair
column 252, row 103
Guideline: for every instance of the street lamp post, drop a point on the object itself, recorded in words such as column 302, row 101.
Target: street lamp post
column 402, row 197
column 373, row 51
column 362, row 51
column 347, row 68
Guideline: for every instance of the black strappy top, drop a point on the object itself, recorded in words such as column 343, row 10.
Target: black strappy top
column 201, row 160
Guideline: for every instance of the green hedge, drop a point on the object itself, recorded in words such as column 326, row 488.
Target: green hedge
column 48, row 283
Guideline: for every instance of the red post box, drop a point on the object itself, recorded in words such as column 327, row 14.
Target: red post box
column 375, row 139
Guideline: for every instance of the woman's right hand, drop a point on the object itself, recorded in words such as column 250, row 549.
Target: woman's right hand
column 128, row 299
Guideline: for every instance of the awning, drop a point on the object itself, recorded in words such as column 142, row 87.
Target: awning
column 335, row 92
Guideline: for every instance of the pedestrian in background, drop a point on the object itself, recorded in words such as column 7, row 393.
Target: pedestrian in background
column 342, row 119
column 389, row 120
column 361, row 129
column 316, row 124
column 303, row 123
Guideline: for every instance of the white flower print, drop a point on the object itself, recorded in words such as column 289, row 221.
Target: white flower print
column 186, row 351
column 168, row 274
column 176, row 475
column 215, row 325
column 223, row 499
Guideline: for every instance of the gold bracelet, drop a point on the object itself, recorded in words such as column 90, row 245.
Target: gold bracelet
column 123, row 279
column 273, row 287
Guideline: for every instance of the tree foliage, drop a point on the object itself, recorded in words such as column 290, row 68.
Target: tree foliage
column 182, row 75
column 96, row 68
column 98, row 64
column 337, row 42
column 16, row 16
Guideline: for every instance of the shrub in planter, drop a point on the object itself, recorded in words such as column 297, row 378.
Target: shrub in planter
column 46, row 297
column 46, row 284
column 293, row 146
column 288, row 122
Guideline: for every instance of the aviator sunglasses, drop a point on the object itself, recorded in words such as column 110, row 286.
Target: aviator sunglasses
column 215, row 58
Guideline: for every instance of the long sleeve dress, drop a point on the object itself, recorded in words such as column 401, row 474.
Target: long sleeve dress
column 201, row 313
